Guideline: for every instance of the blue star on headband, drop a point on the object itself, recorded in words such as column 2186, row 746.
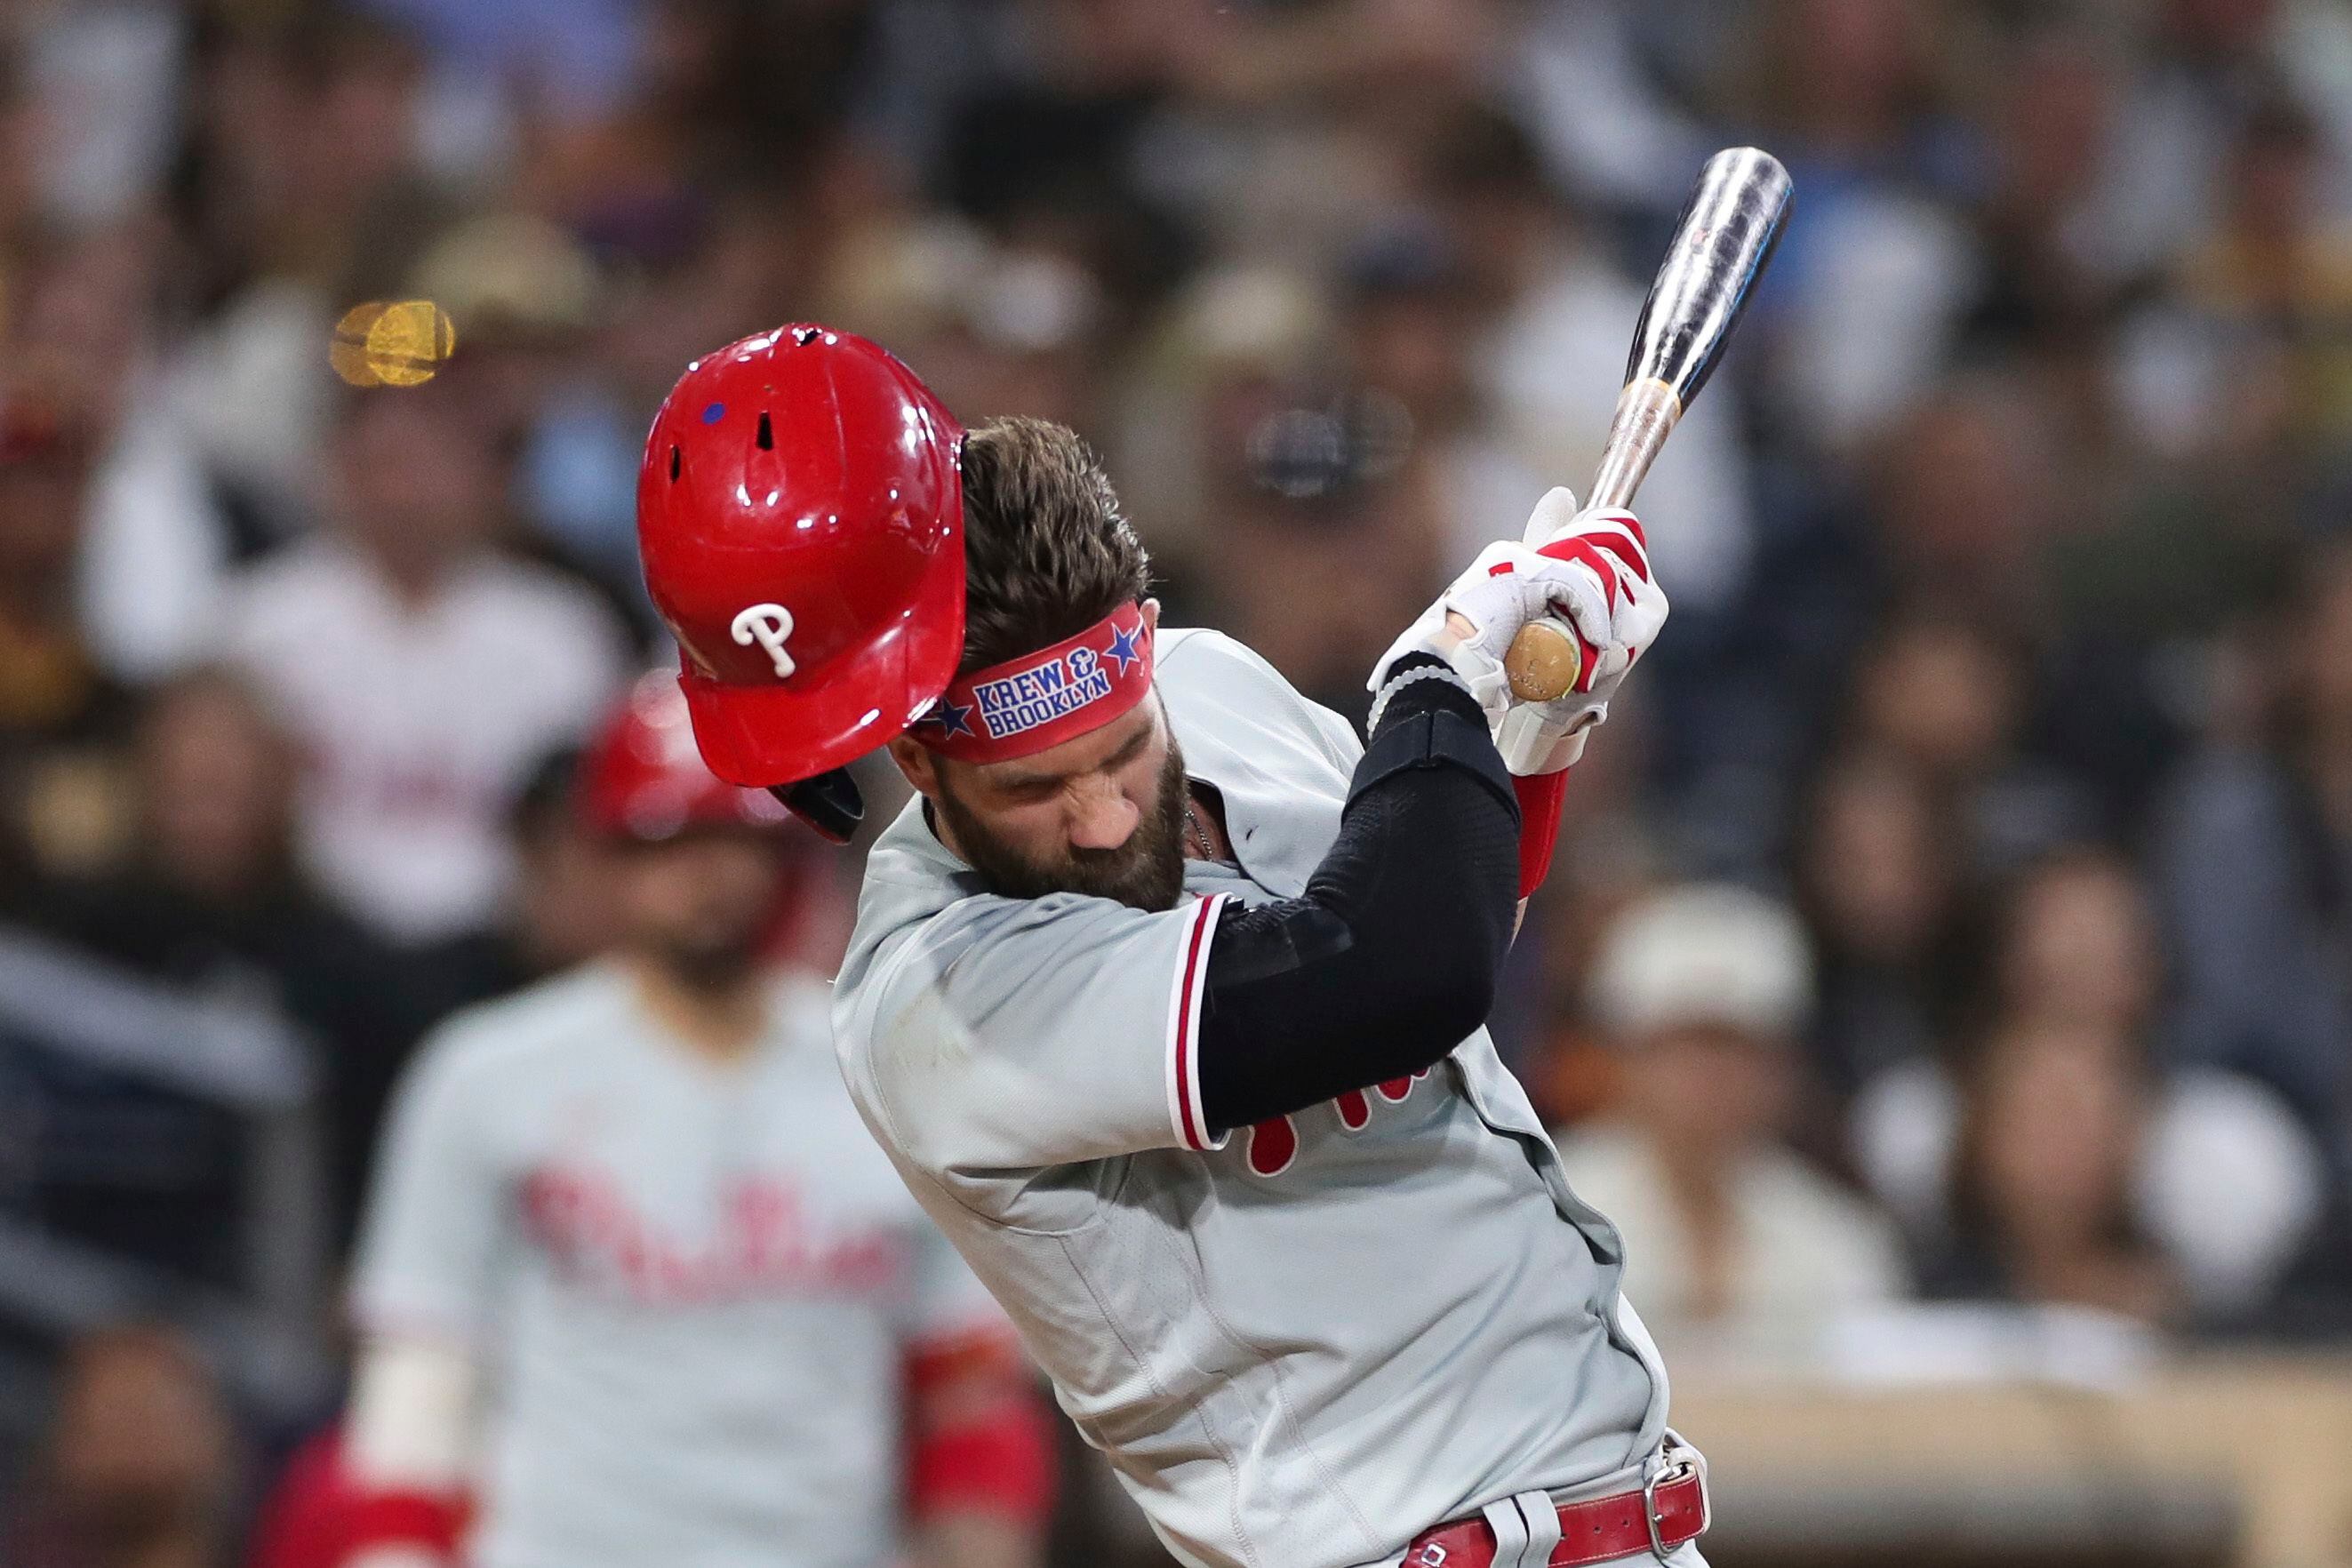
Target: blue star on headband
column 1122, row 648
column 949, row 719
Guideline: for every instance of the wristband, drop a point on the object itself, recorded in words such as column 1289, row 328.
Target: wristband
column 1394, row 684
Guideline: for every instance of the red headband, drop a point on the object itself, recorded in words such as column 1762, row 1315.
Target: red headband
column 1042, row 698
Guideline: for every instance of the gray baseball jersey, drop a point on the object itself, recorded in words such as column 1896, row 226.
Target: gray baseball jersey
column 1302, row 1344
column 690, row 1284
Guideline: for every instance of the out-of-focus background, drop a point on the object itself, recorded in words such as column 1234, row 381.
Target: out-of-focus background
column 1947, row 979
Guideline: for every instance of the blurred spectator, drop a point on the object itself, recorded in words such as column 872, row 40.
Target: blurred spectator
column 61, row 718
column 1347, row 481
column 2273, row 277
column 2050, row 270
column 1735, row 1247
column 2202, row 63
column 2052, row 1117
column 20, row 161
column 1878, row 874
column 566, row 60
column 298, row 194
column 1601, row 101
column 2080, row 947
column 557, row 914
column 156, row 543
column 422, row 674
column 1237, row 349
column 1937, row 691
column 2252, row 847
column 2164, row 1195
column 996, row 329
column 1871, row 280
column 1966, row 493
column 212, row 899
column 671, row 274
column 139, row 1470
column 105, row 81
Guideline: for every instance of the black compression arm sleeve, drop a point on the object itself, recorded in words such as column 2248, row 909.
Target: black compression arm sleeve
column 1391, row 954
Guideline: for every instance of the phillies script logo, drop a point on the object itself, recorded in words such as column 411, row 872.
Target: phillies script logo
column 1015, row 704
column 762, row 1244
column 1273, row 1143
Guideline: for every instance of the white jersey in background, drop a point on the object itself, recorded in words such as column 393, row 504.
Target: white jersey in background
column 418, row 722
column 689, row 1285
column 1301, row 1345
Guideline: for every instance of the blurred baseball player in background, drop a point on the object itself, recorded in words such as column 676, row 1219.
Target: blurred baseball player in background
column 1167, row 997
column 635, row 1280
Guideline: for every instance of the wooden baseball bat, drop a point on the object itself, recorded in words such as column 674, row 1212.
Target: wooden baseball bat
column 1721, row 244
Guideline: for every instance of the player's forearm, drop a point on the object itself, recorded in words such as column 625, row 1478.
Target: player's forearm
column 1393, row 954
column 412, row 1408
column 408, row 1444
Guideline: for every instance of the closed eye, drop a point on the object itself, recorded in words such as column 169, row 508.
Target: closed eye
column 1127, row 752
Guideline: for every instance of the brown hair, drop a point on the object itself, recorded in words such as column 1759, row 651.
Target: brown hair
column 1046, row 551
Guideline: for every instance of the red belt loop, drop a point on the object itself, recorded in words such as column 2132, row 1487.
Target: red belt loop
column 1671, row 1509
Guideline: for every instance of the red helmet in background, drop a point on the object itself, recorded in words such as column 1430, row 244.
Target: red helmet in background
column 642, row 778
column 800, row 512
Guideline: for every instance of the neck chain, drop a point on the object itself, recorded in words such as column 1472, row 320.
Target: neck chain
column 1200, row 834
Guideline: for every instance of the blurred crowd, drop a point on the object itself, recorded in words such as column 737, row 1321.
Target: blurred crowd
column 1959, row 908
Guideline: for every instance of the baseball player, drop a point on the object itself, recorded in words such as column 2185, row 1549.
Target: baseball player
column 1166, row 995
column 635, row 1277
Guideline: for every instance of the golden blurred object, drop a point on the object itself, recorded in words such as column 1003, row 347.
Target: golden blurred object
column 401, row 343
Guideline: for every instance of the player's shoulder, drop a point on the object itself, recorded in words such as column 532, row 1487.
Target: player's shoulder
column 521, row 1033
column 1218, row 682
column 917, row 910
column 1201, row 654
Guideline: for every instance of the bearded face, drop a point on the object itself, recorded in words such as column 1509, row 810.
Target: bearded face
column 1146, row 872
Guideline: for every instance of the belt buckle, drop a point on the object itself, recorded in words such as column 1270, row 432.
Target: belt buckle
column 1679, row 1462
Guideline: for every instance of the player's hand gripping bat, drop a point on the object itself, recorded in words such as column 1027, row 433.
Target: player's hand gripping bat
column 1720, row 248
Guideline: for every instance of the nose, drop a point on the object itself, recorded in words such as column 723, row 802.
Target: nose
column 1101, row 816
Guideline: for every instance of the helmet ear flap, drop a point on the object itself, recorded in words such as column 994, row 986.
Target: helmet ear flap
column 829, row 803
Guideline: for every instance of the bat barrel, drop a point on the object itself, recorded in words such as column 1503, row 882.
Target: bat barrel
column 1721, row 244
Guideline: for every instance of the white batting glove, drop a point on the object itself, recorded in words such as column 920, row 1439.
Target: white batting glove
column 1615, row 607
column 1473, row 622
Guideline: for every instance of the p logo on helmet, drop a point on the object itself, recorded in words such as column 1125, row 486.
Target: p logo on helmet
column 769, row 626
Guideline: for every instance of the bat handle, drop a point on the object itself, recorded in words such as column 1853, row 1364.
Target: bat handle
column 1542, row 661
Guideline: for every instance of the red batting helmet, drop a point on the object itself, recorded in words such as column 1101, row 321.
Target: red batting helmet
column 643, row 778
column 801, row 516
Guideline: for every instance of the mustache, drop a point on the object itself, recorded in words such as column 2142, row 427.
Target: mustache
column 1146, row 873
